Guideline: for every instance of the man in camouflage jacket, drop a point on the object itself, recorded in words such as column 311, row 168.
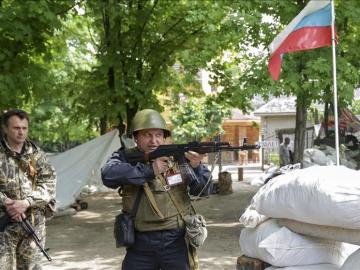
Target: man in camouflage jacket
column 27, row 190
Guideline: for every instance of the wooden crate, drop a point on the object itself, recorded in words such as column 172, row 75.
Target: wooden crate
column 247, row 263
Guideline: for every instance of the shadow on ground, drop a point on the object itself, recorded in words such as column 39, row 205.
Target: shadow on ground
column 85, row 240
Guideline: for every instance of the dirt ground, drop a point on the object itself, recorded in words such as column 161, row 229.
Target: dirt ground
column 85, row 240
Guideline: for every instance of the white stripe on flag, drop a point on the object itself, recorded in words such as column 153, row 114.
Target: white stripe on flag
column 311, row 7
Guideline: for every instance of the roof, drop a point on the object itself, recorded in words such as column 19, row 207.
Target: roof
column 278, row 106
column 237, row 114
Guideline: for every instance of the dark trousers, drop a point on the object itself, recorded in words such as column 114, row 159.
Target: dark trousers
column 165, row 250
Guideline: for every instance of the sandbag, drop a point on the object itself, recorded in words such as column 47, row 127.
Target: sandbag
column 322, row 195
column 329, row 232
column 251, row 218
column 315, row 157
column 281, row 247
column 352, row 262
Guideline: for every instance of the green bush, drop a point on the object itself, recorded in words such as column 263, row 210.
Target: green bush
column 274, row 158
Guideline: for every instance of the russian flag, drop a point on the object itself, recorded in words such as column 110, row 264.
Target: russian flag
column 309, row 30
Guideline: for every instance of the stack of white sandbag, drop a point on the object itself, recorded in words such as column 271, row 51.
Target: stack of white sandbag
column 271, row 172
column 301, row 218
column 308, row 267
column 353, row 262
column 261, row 179
column 279, row 246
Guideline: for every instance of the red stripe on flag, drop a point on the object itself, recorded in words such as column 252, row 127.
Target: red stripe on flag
column 302, row 39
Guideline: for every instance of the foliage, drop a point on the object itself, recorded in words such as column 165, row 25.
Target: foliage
column 36, row 70
column 306, row 75
column 26, row 28
column 54, row 112
column 355, row 107
column 138, row 43
column 197, row 118
column 61, row 130
column 274, row 158
column 81, row 66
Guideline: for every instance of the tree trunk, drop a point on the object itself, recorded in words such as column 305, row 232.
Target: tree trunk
column 300, row 129
column 130, row 113
column 111, row 71
column 103, row 125
column 326, row 118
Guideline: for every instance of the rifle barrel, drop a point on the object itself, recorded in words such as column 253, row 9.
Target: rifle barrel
column 30, row 230
column 179, row 149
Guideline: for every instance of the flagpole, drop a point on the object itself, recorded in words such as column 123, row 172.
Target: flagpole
column 336, row 124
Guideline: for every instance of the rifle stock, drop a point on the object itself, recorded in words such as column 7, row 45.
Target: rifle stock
column 178, row 150
column 4, row 221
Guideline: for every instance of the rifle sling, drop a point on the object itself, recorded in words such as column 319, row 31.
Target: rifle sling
column 172, row 198
column 32, row 174
column 152, row 201
column 135, row 206
column 30, row 170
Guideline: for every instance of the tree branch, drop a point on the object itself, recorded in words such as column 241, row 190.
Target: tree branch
column 164, row 35
column 143, row 27
column 92, row 38
column 151, row 77
column 62, row 12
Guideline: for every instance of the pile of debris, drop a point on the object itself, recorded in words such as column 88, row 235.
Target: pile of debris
column 326, row 155
column 322, row 155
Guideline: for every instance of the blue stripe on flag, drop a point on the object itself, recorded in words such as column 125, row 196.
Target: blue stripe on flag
column 319, row 18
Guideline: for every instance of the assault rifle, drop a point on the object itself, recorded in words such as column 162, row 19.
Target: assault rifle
column 29, row 229
column 177, row 151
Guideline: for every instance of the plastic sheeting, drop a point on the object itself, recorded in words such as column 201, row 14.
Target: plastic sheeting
column 80, row 166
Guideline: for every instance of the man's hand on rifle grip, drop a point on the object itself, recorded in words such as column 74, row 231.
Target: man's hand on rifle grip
column 16, row 208
column 160, row 165
column 194, row 158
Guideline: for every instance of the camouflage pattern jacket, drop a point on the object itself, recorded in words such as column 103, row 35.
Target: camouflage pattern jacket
column 29, row 176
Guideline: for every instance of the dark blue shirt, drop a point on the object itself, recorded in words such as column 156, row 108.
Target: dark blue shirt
column 117, row 171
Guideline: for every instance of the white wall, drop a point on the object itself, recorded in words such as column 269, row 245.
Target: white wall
column 269, row 124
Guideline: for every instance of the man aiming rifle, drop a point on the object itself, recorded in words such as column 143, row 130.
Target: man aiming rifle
column 159, row 226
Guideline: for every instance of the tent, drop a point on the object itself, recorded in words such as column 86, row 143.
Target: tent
column 80, row 167
column 348, row 122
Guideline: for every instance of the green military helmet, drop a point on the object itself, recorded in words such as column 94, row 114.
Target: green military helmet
column 149, row 118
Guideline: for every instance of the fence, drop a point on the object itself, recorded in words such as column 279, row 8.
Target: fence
column 270, row 145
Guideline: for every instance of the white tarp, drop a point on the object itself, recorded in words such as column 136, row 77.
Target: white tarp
column 80, row 166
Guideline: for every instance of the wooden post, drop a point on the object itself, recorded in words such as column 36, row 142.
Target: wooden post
column 225, row 183
column 240, row 174
column 247, row 263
